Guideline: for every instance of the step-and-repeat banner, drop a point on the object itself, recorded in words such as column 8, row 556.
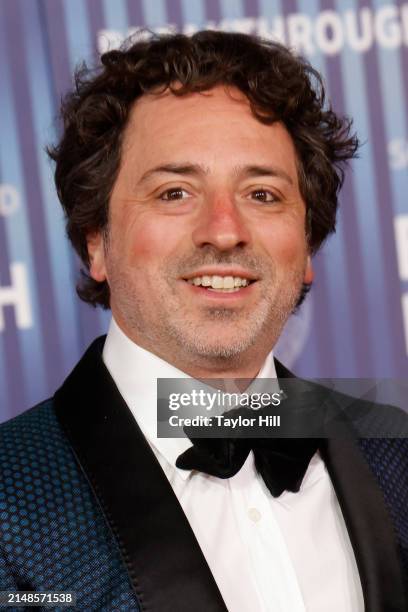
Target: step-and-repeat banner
column 355, row 321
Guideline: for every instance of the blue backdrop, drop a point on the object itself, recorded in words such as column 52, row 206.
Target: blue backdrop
column 354, row 323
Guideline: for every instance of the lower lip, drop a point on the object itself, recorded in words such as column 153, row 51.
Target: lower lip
column 221, row 295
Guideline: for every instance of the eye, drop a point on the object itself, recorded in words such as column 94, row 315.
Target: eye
column 174, row 193
column 263, row 195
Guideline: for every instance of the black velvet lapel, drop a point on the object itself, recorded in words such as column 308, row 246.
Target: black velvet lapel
column 166, row 566
column 368, row 522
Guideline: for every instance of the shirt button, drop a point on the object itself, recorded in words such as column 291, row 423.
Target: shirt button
column 254, row 515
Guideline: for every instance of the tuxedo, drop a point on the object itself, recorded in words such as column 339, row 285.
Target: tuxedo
column 85, row 507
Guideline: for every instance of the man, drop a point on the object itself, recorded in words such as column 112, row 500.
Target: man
column 198, row 176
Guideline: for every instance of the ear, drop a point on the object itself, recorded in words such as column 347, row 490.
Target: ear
column 96, row 253
column 309, row 273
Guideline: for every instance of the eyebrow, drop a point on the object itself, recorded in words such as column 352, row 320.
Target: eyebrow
column 183, row 168
column 255, row 171
column 186, row 169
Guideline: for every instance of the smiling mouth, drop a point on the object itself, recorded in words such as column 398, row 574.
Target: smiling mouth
column 220, row 284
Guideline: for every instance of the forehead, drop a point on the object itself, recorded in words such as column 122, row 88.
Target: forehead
column 213, row 126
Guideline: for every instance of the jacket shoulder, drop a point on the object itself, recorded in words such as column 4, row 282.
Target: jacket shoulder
column 32, row 441
column 38, row 422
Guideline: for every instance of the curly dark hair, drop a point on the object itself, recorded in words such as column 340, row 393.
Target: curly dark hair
column 278, row 85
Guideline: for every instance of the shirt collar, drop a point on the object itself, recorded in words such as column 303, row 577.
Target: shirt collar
column 135, row 372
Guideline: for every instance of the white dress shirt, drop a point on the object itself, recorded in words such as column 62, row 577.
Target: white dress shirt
column 286, row 554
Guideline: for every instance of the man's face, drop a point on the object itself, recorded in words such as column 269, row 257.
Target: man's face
column 206, row 250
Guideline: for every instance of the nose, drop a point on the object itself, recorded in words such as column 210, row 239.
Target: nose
column 221, row 225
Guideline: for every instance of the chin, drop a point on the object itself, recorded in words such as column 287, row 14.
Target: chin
column 221, row 348
column 220, row 337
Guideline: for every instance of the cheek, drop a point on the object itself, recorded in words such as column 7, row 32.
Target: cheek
column 285, row 244
column 152, row 240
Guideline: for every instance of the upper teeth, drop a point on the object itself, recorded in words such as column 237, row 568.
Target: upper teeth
column 219, row 282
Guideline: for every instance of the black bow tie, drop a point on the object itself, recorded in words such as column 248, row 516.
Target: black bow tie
column 282, row 462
